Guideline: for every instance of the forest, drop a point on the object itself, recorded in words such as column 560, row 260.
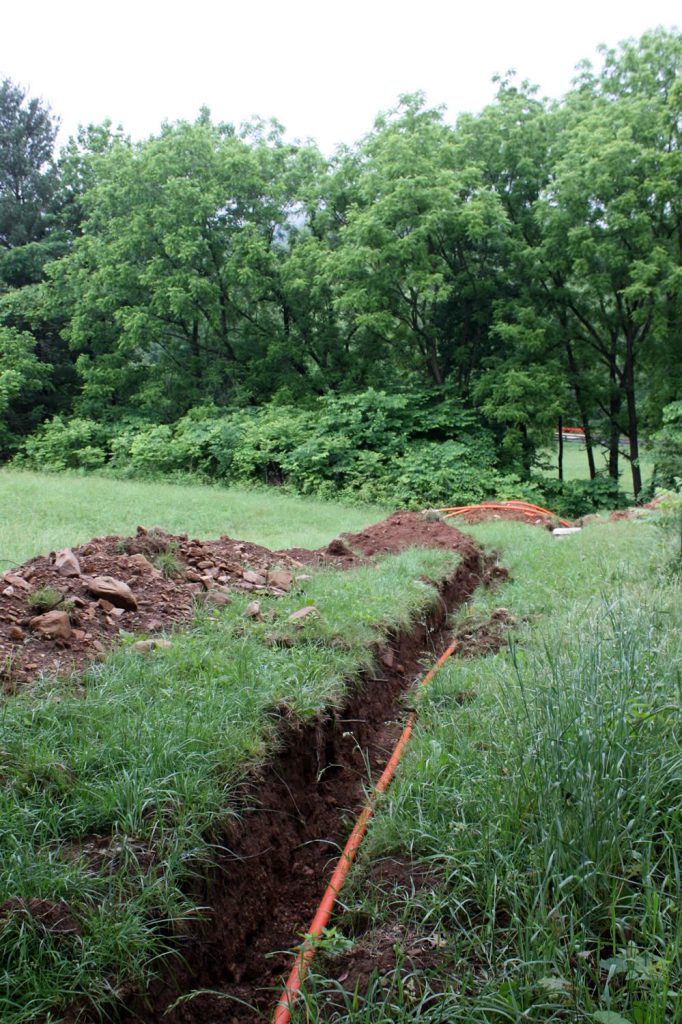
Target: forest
column 414, row 319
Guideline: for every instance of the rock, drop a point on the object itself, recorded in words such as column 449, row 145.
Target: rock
column 16, row 633
column 218, row 597
column 140, row 562
column 303, row 577
column 255, row 578
column 54, row 624
column 145, row 646
column 98, row 645
column 304, row 613
column 66, row 563
column 252, row 610
column 16, row 581
column 208, row 582
column 8, row 592
column 113, row 590
column 280, row 579
column 106, row 606
column 387, row 658
column 193, row 576
column 205, row 564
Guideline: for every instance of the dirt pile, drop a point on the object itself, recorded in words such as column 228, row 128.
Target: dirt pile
column 60, row 611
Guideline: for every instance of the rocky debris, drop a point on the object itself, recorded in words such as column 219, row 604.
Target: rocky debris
column 52, row 624
column 252, row 610
column 66, row 563
column 97, row 620
column 304, row 613
column 153, row 644
column 114, row 591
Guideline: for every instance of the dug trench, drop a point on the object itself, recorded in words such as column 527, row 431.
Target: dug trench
column 271, row 869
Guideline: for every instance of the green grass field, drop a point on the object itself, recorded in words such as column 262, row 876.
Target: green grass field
column 41, row 512
column 544, row 811
column 576, row 467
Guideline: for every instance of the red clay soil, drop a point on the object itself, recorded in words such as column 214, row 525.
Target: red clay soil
column 163, row 603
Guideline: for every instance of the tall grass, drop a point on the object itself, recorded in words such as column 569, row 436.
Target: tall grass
column 41, row 512
column 547, row 810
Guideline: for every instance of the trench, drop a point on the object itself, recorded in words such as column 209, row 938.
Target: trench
column 272, row 868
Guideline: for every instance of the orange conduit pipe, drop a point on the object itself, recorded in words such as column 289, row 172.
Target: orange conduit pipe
column 527, row 510
column 319, row 922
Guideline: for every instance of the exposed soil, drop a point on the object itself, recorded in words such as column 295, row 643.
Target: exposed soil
column 198, row 570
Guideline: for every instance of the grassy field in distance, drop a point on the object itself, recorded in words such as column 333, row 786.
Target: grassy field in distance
column 41, row 512
column 576, row 468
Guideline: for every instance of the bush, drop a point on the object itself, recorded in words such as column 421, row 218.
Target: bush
column 667, row 448
column 67, row 444
column 410, row 449
column 575, row 498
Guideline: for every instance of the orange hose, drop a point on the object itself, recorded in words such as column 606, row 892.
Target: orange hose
column 517, row 506
column 319, row 922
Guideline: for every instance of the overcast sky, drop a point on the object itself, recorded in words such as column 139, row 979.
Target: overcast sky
column 323, row 69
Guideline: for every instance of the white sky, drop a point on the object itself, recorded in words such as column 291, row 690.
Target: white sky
column 323, row 69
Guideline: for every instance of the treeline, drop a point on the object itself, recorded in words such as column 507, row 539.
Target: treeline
column 412, row 319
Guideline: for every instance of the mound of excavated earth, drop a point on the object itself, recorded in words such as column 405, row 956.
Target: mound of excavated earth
column 60, row 611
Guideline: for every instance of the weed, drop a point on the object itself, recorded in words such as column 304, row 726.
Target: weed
column 168, row 563
column 44, row 599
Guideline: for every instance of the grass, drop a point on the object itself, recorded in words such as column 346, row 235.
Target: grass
column 576, row 467
column 68, row 509
column 115, row 784
column 547, row 811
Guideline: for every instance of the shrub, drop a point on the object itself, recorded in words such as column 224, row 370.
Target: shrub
column 67, row 444
column 667, row 448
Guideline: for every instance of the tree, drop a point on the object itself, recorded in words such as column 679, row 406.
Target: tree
column 417, row 266
column 27, row 178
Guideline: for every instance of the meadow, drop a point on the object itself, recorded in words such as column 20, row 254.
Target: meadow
column 44, row 512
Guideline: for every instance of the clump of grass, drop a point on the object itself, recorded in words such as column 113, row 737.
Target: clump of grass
column 168, row 563
column 44, row 599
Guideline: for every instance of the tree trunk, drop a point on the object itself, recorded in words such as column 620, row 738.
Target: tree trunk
column 633, row 434
column 561, row 449
column 614, row 420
